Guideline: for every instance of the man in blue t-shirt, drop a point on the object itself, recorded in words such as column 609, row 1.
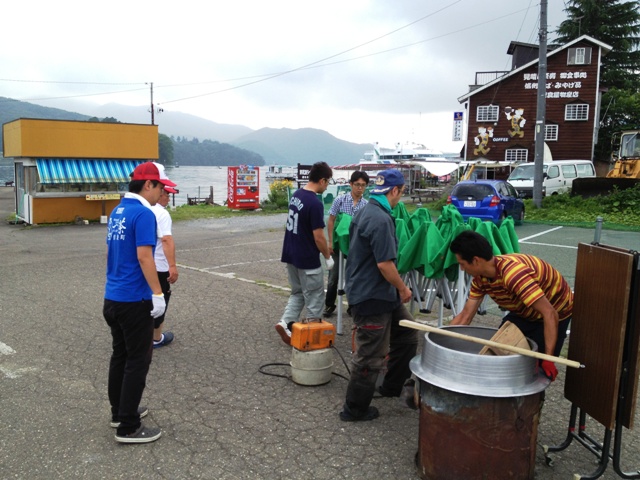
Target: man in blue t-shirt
column 304, row 240
column 132, row 299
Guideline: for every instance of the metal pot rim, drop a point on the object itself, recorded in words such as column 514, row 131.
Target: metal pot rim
column 473, row 374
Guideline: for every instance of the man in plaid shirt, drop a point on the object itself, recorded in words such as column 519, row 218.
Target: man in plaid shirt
column 349, row 203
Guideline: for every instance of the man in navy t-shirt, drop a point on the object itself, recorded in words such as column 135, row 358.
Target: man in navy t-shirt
column 304, row 240
column 132, row 299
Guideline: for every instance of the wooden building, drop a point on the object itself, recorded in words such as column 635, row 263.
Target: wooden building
column 66, row 170
column 502, row 106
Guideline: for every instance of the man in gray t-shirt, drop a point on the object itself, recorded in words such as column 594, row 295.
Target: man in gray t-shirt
column 376, row 296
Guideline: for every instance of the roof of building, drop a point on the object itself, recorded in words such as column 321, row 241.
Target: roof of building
column 605, row 49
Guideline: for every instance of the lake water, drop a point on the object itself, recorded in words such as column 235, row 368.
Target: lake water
column 192, row 181
column 196, row 181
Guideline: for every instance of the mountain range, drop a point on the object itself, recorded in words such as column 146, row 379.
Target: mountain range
column 282, row 146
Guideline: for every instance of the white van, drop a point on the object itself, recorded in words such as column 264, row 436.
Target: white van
column 557, row 176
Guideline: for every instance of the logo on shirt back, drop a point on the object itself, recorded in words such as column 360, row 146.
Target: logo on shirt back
column 116, row 229
column 296, row 202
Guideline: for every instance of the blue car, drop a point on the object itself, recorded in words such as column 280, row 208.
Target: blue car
column 492, row 200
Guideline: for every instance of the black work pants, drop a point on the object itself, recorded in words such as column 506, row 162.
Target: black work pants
column 377, row 335
column 332, row 282
column 131, row 327
column 163, row 278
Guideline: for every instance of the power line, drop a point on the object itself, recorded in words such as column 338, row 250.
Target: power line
column 66, row 82
column 320, row 63
column 264, row 77
column 88, row 94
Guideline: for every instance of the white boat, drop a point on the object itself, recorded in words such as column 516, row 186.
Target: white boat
column 421, row 165
column 281, row 172
column 413, row 154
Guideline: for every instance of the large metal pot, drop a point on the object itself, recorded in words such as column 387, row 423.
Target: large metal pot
column 478, row 413
column 455, row 365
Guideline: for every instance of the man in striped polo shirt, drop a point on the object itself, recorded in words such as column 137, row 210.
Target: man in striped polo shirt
column 537, row 298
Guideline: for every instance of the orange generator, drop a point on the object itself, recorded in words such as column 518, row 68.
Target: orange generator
column 312, row 335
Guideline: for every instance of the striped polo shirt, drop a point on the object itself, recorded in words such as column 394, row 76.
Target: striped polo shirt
column 520, row 281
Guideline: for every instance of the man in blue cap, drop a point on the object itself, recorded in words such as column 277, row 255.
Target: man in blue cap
column 376, row 296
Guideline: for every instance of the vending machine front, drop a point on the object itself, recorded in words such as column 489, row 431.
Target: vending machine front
column 243, row 187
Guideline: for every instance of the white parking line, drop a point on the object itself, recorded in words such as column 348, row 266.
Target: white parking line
column 245, row 263
column 232, row 276
column 218, row 247
column 538, row 234
column 550, row 245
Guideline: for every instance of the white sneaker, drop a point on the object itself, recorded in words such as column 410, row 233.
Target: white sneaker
column 284, row 332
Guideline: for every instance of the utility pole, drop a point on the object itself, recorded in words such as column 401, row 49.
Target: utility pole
column 542, row 106
column 152, row 109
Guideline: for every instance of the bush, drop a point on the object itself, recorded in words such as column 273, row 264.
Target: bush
column 620, row 208
column 278, row 195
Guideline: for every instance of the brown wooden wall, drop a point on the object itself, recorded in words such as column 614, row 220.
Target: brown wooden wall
column 66, row 209
column 575, row 138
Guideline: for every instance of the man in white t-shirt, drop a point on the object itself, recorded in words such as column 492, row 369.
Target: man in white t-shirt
column 165, row 258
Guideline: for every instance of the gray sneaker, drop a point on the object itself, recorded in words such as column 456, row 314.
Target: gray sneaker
column 142, row 411
column 142, row 435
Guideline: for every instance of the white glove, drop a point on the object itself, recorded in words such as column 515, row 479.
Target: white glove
column 330, row 263
column 159, row 305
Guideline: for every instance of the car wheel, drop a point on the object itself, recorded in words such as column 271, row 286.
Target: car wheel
column 520, row 218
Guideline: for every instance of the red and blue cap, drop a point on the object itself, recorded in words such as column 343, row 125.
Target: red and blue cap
column 152, row 171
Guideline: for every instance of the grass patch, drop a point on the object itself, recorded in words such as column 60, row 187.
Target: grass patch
column 620, row 210
column 198, row 212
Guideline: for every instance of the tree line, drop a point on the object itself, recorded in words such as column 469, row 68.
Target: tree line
column 616, row 23
column 184, row 151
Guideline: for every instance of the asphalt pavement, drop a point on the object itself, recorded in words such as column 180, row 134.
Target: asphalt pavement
column 221, row 416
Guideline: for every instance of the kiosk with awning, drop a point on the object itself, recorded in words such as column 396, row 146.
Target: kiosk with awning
column 66, row 170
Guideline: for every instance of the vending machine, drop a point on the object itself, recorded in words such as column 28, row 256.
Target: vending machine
column 243, row 187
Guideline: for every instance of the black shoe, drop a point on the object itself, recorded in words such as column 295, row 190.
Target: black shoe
column 328, row 311
column 372, row 413
column 142, row 435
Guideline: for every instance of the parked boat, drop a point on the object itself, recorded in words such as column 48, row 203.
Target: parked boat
column 421, row 164
column 281, row 172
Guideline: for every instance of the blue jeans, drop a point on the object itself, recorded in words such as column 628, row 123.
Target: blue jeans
column 377, row 335
column 307, row 289
column 131, row 327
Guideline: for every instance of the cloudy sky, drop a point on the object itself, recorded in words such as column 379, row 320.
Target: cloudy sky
column 365, row 71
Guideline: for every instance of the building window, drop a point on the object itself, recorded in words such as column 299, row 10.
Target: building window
column 551, row 133
column 487, row 113
column 516, row 155
column 576, row 111
column 579, row 56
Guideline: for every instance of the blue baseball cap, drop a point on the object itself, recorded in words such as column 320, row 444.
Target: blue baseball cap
column 386, row 180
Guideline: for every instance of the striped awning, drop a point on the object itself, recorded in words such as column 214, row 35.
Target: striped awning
column 57, row 170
